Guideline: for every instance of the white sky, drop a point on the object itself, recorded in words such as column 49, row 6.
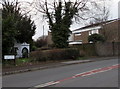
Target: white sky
column 39, row 24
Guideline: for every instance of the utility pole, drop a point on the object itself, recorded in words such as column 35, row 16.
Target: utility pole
column 104, row 10
column 43, row 32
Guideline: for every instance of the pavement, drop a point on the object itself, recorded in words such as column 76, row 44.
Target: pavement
column 14, row 70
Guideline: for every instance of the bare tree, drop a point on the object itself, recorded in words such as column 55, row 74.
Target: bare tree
column 62, row 13
column 46, row 7
column 101, row 12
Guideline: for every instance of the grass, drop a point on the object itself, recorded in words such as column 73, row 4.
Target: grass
column 82, row 58
column 18, row 62
column 27, row 61
column 22, row 60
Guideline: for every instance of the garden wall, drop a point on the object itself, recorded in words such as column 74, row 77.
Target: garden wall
column 99, row 49
column 107, row 49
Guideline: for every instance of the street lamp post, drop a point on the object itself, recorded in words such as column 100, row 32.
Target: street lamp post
column 43, row 32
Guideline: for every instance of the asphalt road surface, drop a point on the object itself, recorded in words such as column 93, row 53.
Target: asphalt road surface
column 105, row 75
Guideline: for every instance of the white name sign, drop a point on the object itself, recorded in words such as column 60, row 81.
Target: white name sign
column 9, row 56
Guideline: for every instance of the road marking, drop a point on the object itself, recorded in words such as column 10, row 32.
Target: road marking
column 83, row 74
column 46, row 84
column 99, row 70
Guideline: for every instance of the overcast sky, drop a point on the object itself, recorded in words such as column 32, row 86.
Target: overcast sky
column 39, row 23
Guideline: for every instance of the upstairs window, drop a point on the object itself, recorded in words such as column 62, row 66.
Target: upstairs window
column 77, row 34
column 93, row 32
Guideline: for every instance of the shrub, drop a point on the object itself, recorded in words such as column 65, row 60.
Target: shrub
column 55, row 54
column 96, row 38
column 33, row 48
column 41, row 42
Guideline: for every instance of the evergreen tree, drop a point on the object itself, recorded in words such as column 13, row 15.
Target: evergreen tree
column 25, row 30
column 61, row 27
column 10, row 12
column 15, row 26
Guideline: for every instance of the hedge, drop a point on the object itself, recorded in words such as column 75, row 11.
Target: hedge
column 55, row 54
column 87, row 49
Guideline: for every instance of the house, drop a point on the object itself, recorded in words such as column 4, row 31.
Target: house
column 108, row 29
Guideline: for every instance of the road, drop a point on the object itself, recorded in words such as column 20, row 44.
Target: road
column 66, row 75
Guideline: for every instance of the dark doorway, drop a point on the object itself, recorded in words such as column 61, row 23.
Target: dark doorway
column 25, row 53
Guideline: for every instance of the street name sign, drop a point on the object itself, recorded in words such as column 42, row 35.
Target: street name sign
column 9, row 57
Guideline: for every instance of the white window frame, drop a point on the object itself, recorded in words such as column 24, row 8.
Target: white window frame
column 93, row 31
column 77, row 34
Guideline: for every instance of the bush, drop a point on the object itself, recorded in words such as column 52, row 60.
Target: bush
column 87, row 49
column 33, row 48
column 96, row 38
column 55, row 54
column 41, row 42
column 43, row 48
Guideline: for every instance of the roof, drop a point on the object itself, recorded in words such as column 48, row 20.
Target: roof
column 96, row 24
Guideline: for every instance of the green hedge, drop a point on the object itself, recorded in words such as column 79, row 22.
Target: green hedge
column 87, row 49
column 55, row 54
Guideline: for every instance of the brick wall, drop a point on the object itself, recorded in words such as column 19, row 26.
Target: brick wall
column 110, row 31
column 99, row 49
column 107, row 49
column 83, row 37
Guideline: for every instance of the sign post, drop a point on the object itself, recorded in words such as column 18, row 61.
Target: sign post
column 10, row 57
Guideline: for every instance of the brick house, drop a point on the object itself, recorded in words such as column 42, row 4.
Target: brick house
column 108, row 29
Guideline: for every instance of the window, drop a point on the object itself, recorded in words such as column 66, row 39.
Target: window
column 77, row 34
column 93, row 32
column 90, row 42
column 90, row 32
